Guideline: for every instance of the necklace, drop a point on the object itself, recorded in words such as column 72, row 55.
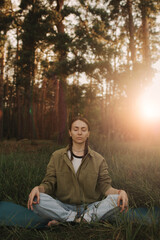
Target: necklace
column 78, row 150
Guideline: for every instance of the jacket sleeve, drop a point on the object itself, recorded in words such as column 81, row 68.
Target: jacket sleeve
column 104, row 180
column 49, row 181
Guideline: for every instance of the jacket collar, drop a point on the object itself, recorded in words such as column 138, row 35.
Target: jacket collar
column 90, row 151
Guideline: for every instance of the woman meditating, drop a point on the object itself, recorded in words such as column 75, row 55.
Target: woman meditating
column 77, row 186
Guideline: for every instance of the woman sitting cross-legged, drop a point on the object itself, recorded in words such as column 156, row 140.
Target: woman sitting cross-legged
column 77, row 186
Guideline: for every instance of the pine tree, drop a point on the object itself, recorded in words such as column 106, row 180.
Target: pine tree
column 5, row 22
column 33, row 32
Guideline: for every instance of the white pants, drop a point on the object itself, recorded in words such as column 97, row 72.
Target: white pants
column 50, row 208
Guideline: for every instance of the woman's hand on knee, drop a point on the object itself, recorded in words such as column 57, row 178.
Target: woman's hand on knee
column 34, row 197
column 123, row 200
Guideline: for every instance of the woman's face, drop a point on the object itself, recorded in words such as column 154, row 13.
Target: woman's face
column 79, row 132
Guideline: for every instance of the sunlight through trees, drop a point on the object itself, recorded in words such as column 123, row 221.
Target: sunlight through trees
column 47, row 49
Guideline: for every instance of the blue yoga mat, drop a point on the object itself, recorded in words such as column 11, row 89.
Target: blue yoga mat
column 12, row 214
column 141, row 215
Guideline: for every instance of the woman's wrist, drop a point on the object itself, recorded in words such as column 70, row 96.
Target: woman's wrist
column 41, row 188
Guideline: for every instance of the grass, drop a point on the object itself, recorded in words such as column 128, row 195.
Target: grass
column 134, row 167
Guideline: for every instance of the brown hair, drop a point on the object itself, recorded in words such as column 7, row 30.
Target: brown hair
column 70, row 139
column 81, row 119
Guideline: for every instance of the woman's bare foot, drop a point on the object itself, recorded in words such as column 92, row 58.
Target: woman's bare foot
column 78, row 220
column 53, row 223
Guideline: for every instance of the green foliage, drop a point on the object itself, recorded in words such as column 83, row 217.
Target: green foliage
column 2, row 3
column 66, row 11
column 25, row 3
column 100, row 12
column 149, row 6
column 115, row 7
column 5, row 22
column 6, row 17
column 62, row 41
column 75, row 100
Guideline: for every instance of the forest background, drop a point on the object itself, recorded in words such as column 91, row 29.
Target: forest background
column 61, row 58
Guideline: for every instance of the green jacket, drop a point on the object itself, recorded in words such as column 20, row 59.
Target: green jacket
column 88, row 185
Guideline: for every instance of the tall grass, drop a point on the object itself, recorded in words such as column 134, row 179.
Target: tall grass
column 134, row 167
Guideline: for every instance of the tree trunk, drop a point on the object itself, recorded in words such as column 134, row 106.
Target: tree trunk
column 1, row 88
column 131, row 31
column 62, row 108
column 57, row 100
column 145, row 39
column 62, row 113
column 132, row 78
column 19, row 133
column 18, row 99
column 43, row 107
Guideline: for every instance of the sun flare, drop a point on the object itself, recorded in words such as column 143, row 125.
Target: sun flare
column 150, row 103
column 150, row 110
